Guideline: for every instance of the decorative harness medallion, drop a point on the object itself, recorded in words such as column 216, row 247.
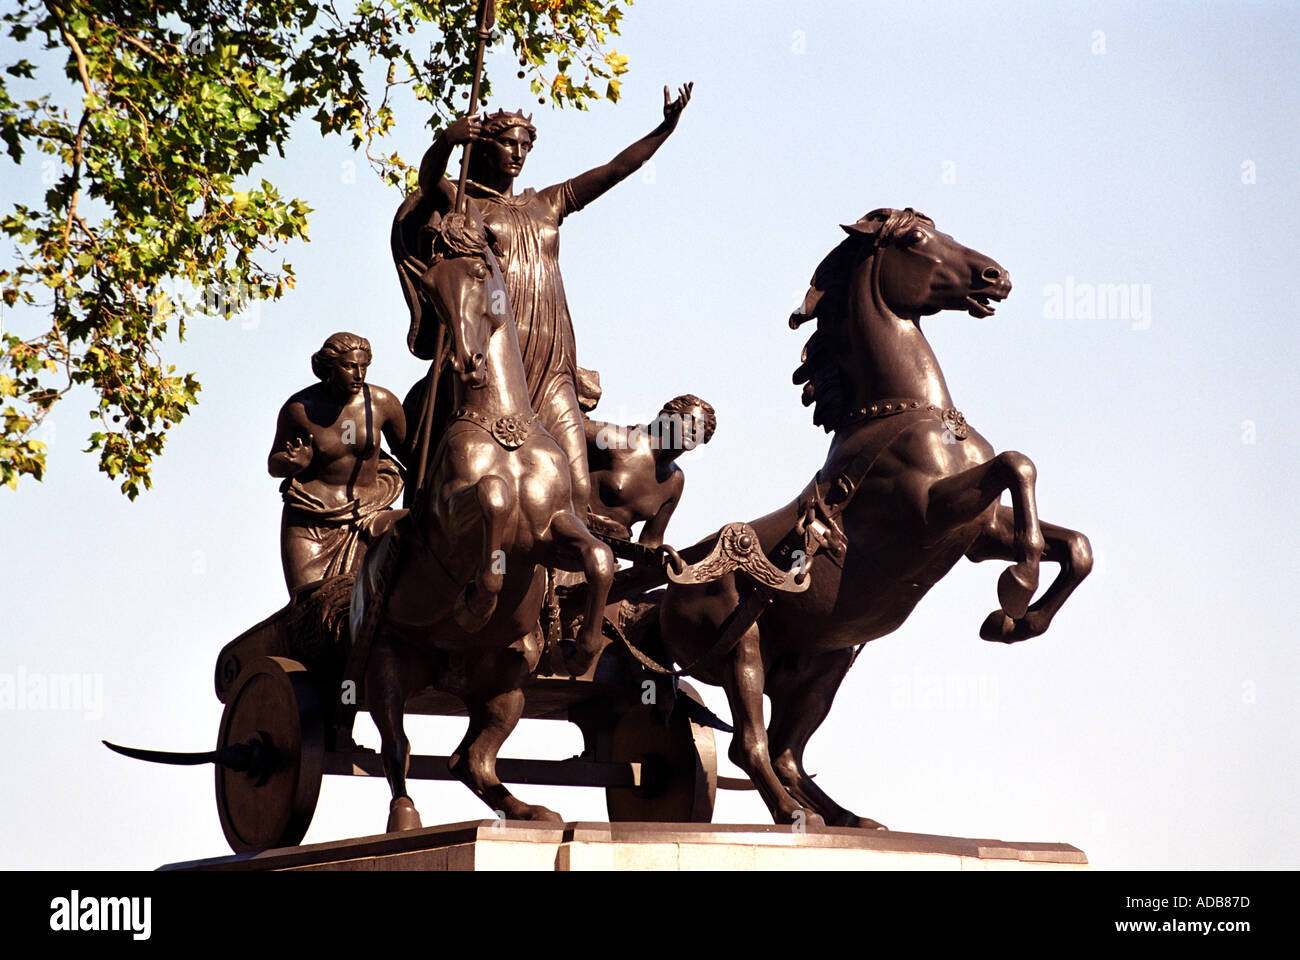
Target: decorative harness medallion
column 738, row 548
column 511, row 431
column 955, row 423
column 952, row 418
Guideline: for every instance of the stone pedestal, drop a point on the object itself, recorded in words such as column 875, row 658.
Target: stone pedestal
column 513, row 845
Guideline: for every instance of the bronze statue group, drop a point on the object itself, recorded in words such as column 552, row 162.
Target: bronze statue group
column 513, row 494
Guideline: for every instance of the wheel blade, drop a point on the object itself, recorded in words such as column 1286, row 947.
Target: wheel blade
column 163, row 756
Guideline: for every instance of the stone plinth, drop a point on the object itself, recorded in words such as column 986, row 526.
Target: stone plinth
column 513, row 845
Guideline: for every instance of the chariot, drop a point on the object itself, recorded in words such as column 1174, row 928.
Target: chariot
column 293, row 684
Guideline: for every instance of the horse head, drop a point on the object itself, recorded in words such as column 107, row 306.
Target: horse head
column 923, row 271
column 464, row 283
column 894, row 268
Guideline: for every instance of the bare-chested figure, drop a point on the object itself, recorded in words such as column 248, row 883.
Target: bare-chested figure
column 633, row 471
column 338, row 482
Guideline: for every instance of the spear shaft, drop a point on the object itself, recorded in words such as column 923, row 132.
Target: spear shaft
column 487, row 14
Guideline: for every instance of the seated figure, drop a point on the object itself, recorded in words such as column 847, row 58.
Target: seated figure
column 338, row 483
column 633, row 471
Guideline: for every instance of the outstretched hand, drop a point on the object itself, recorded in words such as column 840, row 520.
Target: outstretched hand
column 673, row 108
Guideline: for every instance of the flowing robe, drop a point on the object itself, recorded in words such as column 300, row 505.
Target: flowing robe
column 337, row 537
column 525, row 229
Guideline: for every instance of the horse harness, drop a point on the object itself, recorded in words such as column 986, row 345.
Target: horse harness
column 822, row 501
column 817, row 528
column 511, row 431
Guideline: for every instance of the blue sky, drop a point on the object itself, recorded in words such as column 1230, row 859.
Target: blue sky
column 1153, row 726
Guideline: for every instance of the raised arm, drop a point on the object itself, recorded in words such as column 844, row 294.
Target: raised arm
column 592, row 184
column 291, row 452
column 433, row 168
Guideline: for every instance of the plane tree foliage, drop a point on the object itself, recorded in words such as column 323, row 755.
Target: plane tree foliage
column 149, row 121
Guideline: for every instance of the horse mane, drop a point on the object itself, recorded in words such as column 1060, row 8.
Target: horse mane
column 458, row 235
column 827, row 301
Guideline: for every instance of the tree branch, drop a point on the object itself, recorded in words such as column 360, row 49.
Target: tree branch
column 76, row 175
column 138, row 44
column 71, row 41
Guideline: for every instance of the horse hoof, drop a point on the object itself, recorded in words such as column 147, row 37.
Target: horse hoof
column 998, row 627
column 1034, row 624
column 534, row 812
column 539, row 814
column 1016, row 588
column 402, row 815
column 803, row 817
column 579, row 657
column 847, row 819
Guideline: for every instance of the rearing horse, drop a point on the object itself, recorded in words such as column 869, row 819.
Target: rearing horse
column 906, row 491
column 468, row 579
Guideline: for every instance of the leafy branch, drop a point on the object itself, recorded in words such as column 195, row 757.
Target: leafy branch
column 148, row 178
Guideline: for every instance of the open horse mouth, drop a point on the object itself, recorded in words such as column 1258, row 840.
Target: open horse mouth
column 977, row 304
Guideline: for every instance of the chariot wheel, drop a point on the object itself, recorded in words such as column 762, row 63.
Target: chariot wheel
column 679, row 767
column 273, row 719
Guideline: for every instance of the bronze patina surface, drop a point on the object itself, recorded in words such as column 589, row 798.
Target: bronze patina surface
column 497, row 594
column 634, row 472
column 524, row 228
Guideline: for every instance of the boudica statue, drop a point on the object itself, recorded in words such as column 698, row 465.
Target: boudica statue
column 524, row 230
column 458, row 607
column 338, row 483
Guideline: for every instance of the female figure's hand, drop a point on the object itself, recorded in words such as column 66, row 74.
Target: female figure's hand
column 298, row 453
column 434, row 165
column 673, row 108
column 592, row 184
column 465, row 130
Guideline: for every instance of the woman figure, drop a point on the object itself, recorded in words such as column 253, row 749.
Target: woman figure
column 338, row 484
column 524, row 228
column 634, row 472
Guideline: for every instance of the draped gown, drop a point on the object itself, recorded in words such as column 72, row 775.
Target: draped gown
column 525, row 230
